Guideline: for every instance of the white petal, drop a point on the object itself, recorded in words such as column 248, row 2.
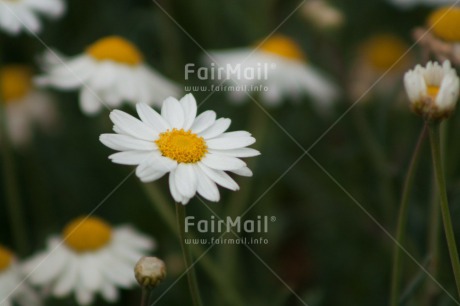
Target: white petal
column 109, row 292
column 245, row 171
column 130, row 158
column 84, row 296
column 90, row 276
column 173, row 113
column 230, row 143
column 186, row 180
column 220, row 177
column 206, row 187
column 152, row 118
column 126, row 143
column 219, row 127
column 90, row 103
column 174, row 191
column 189, row 106
column 241, row 152
column 221, row 162
column 68, row 279
column 133, row 126
column 203, row 121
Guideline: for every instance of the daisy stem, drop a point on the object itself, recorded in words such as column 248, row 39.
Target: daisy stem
column 191, row 276
column 13, row 201
column 402, row 220
column 435, row 139
column 163, row 207
column 145, row 296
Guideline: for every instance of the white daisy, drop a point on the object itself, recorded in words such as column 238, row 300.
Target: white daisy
column 19, row 15
column 13, row 288
column 285, row 72
column 25, row 106
column 195, row 150
column 433, row 90
column 89, row 257
column 111, row 71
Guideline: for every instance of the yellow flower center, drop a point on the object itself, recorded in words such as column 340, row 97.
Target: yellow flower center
column 116, row 49
column 445, row 23
column 87, row 234
column 15, row 82
column 383, row 51
column 6, row 258
column 284, row 47
column 432, row 91
column 182, row 146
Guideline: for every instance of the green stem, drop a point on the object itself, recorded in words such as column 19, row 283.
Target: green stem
column 145, row 296
column 402, row 221
column 440, row 179
column 164, row 208
column 191, row 275
column 432, row 290
column 13, row 198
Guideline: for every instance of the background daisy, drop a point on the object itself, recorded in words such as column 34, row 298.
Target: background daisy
column 195, row 150
column 13, row 286
column 88, row 258
column 289, row 74
column 22, row 15
column 26, row 107
column 110, row 72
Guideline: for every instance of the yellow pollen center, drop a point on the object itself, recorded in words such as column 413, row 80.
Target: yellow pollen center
column 6, row 258
column 182, row 146
column 15, row 82
column 87, row 234
column 116, row 49
column 383, row 51
column 432, row 91
column 445, row 23
column 284, row 47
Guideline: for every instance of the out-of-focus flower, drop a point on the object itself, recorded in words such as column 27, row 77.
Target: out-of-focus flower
column 89, row 257
column 405, row 4
column 442, row 37
column 195, row 150
column 322, row 15
column 382, row 54
column 24, row 105
column 111, row 71
column 281, row 68
column 432, row 90
column 13, row 288
column 22, row 15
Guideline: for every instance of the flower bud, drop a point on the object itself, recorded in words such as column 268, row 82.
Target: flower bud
column 433, row 90
column 150, row 271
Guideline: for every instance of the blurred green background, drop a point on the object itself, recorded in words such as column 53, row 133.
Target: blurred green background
column 322, row 244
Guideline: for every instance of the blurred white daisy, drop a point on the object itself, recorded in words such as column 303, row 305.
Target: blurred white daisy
column 111, row 71
column 322, row 15
column 441, row 36
column 384, row 55
column 89, row 257
column 195, row 150
column 13, row 288
column 24, row 105
column 404, row 4
column 285, row 72
column 22, row 15
column 432, row 90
